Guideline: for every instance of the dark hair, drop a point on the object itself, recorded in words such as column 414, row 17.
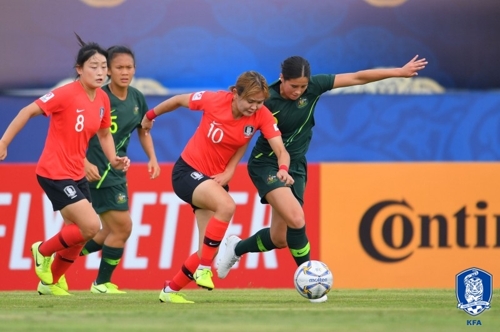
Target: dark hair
column 295, row 67
column 250, row 83
column 87, row 50
column 113, row 51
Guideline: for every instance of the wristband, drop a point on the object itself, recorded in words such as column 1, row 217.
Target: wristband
column 151, row 115
column 283, row 167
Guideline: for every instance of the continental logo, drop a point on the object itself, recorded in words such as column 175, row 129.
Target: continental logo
column 391, row 231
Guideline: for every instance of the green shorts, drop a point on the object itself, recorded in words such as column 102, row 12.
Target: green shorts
column 110, row 198
column 263, row 175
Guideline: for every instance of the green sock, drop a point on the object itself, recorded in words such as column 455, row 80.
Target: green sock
column 259, row 242
column 90, row 247
column 110, row 259
column 298, row 244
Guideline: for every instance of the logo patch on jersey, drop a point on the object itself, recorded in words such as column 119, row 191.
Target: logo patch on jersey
column 136, row 110
column 248, row 131
column 70, row 191
column 197, row 175
column 197, row 95
column 101, row 112
column 276, row 126
column 302, row 102
column 48, row 96
column 121, row 198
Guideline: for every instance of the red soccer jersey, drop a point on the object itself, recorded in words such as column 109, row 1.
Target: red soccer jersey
column 219, row 135
column 74, row 120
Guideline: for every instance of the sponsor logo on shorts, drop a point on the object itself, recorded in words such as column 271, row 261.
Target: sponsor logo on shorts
column 70, row 191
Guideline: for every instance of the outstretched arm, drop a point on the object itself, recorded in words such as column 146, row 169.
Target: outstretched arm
column 165, row 106
column 16, row 125
column 372, row 75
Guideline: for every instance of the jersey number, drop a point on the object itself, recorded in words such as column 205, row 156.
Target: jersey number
column 215, row 134
column 114, row 126
column 79, row 122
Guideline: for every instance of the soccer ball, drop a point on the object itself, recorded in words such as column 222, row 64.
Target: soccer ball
column 313, row 279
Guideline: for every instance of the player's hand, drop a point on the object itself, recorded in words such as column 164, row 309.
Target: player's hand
column 121, row 163
column 147, row 124
column 91, row 171
column 412, row 67
column 222, row 178
column 3, row 150
column 283, row 176
column 153, row 169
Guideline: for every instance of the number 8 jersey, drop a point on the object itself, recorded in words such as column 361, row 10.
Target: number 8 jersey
column 219, row 135
column 74, row 120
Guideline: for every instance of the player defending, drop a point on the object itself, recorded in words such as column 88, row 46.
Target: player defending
column 292, row 101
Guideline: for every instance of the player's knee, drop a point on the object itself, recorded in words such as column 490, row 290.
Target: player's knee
column 296, row 221
column 89, row 231
column 226, row 210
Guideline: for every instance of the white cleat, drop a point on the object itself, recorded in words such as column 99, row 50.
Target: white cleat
column 320, row 300
column 229, row 258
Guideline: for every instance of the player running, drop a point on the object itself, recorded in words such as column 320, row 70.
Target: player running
column 77, row 111
column 200, row 176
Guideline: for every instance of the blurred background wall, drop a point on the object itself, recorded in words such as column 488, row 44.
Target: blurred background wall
column 447, row 113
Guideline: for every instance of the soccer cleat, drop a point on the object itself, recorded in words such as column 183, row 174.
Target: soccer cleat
column 62, row 283
column 320, row 300
column 43, row 289
column 172, row 297
column 203, row 278
column 106, row 288
column 42, row 264
column 229, row 258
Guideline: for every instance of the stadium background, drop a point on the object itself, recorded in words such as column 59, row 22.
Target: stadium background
column 403, row 182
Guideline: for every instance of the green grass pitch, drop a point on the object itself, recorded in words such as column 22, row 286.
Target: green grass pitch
column 244, row 310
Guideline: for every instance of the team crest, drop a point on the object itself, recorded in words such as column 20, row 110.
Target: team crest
column 271, row 179
column 70, row 191
column 136, row 110
column 248, row 131
column 474, row 289
column 121, row 198
column 197, row 175
column 101, row 112
column 302, row 102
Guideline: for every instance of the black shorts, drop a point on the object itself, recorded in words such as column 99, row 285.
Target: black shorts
column 185, row 179
column 64, row 192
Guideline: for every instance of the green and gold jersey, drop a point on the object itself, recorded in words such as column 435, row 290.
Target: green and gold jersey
column 295, row 118
column 126, row 116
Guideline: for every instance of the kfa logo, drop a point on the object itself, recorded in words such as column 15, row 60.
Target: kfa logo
column 197, row 175
column 248, row 131
column 70, row 191
column 474, row 288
